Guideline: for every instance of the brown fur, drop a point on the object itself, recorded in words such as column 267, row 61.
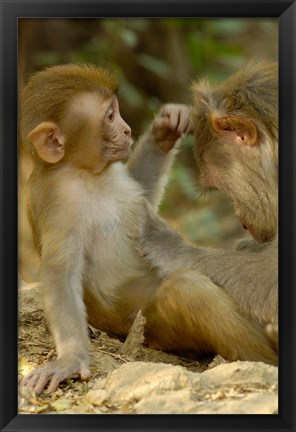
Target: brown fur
column 38, row 104
column 190, row 304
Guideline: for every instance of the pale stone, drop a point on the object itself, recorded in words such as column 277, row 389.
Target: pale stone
column 157, row 388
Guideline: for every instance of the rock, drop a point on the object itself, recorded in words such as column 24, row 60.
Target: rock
column 217, row 360
column 157, row 388
column 240, row 372
column 104, row 363
column 133, row 344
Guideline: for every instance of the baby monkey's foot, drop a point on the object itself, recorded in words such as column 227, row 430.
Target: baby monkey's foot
column 272, row 332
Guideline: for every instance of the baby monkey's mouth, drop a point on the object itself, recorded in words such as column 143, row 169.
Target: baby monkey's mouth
column 123, row 152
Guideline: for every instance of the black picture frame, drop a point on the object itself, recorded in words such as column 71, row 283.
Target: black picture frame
column 10, row 12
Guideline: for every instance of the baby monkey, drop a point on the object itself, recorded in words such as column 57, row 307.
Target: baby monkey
column 86, row 210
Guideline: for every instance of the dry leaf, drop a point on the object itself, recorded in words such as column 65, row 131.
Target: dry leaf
column 24, row 367
column 39, row 409
column 61, row 404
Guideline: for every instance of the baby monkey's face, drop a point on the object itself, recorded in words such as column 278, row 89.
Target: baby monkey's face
column 116, row 133
column 96, row 133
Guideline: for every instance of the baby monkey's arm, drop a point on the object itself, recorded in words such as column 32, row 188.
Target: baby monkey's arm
column 155, row 152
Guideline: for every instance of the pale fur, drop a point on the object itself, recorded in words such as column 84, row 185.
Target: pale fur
column 150, row 166
column 100, row 208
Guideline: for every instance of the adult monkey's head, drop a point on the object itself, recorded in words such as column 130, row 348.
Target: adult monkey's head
column 236, row 144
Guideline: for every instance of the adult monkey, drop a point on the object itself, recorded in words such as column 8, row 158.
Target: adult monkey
column 236, row 149
column 86, row 211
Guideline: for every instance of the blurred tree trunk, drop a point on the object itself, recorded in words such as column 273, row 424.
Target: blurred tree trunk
column 175, row 56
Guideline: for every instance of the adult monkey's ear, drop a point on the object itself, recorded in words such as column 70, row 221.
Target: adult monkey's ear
column 235, row 128
column 48, row 142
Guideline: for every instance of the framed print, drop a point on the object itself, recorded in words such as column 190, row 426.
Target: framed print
column 129, row 287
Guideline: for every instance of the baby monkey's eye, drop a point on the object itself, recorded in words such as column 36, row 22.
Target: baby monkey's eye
column 110, row 114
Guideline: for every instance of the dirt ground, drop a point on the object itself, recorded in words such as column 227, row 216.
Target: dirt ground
column 130, row 378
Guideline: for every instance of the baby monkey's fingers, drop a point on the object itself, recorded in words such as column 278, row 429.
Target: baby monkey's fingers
column 171, row 122
column 53, row 374
column 175, row 117
column 184, row 124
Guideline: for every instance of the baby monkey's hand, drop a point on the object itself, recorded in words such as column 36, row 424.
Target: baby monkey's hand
column 55, row 372
column 170, row 123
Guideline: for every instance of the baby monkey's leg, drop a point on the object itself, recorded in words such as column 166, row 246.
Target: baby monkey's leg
column 189, row 313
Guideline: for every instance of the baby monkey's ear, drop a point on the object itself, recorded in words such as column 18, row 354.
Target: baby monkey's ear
column 48, row 142
column 234, row 128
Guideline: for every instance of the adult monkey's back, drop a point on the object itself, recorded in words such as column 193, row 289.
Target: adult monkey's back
column 236, row 150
